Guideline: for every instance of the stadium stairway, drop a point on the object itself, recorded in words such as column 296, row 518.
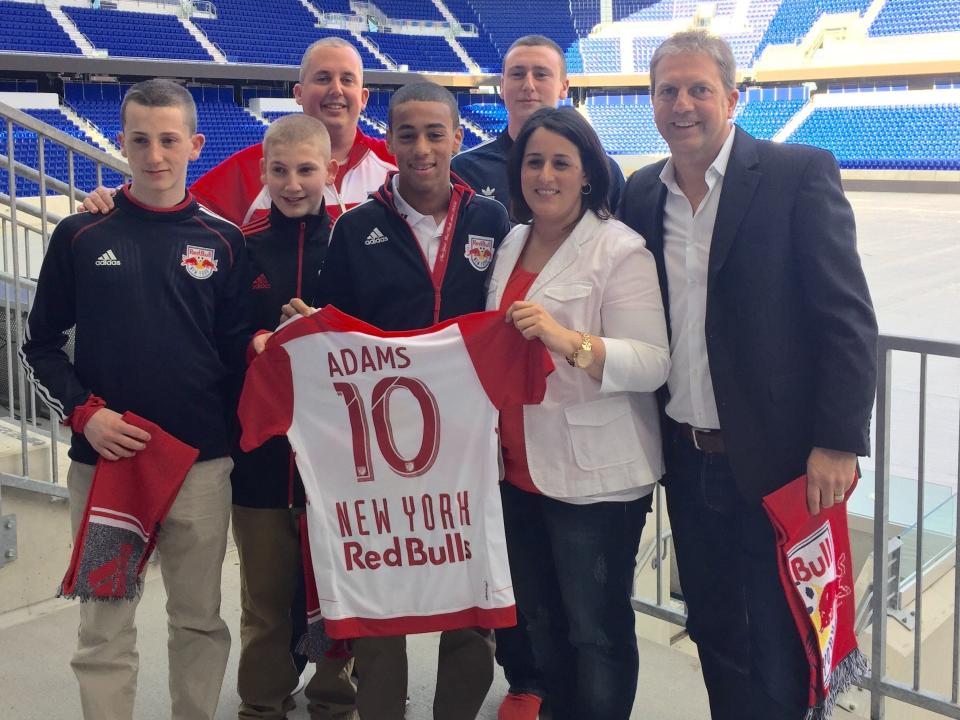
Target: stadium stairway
column 793, row 123
column 109, row 145
column 374, row 49
column 72, row 31
column 201, row 37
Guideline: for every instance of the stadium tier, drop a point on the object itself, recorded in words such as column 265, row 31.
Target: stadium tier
column 421, row 52
column 137, row 34
column 899, row 137
column 600, row 55
column 277, row 32
column 795, row 18
column 31, row 28
column 489, row 117
column 409, row 9
column 625, row 125
column 766, row 119
column 908, row 17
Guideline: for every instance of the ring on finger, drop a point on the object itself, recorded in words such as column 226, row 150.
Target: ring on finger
column 838, row 497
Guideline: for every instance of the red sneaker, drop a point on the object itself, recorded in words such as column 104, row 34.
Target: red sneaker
column 519, row 706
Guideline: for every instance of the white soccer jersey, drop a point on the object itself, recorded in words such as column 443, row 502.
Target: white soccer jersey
column 395, row 439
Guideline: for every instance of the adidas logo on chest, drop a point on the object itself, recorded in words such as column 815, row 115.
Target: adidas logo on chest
column 375, row 237
column 107, row 259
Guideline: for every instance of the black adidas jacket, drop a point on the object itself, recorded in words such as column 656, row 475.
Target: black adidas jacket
column 156, row 297
column 285, row 257
column 376, row 271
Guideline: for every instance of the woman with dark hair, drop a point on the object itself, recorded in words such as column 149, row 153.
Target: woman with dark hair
column 580, row 468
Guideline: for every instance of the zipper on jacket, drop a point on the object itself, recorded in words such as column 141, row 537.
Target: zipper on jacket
column 300, row 238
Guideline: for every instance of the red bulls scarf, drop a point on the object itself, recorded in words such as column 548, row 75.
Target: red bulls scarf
column 315, row 644
column 815, row 569
column 128, row 500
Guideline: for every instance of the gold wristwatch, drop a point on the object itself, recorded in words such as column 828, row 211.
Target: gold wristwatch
column 583, row 356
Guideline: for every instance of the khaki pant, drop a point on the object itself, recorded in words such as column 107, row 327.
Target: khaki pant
column 268, row 542
column 464, row 675
column 191, row 545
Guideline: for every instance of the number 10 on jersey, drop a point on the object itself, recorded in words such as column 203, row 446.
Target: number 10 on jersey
column 386, row 441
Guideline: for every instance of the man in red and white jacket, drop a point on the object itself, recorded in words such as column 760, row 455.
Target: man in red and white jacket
column 331, row 90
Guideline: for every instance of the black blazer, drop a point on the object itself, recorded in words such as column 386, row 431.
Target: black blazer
column 791, row 332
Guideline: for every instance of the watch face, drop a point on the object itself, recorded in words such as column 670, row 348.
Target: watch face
column 584, row 358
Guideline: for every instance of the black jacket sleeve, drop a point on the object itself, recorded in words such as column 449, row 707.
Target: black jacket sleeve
column 233, row 329
column 54, row 313
column 842, row 313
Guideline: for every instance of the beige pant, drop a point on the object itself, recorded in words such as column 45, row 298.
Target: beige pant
column 464, row 675
column 191, row 545
column 268, row 542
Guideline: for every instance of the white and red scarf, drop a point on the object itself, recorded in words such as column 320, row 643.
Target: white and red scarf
column 128, row 500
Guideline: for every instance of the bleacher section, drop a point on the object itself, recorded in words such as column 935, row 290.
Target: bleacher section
column 54, row 155
column 31, row 28
column 643, row 49
column 430, row 53
column 506, row 21
column 764, row 119
column 663, row 10
column 908, row 17
column 585, row 14
column 625, row 125
column 275, row 32
column 899, row 137
column 481, row 52
column 409, row 9
column 795, row 18
column 600, row 55
column 490, row 117
column 137, row 34
column 334, row 6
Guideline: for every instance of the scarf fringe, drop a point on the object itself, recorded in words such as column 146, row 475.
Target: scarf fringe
column 844, row 676
column 314, row 643
column 82, row 597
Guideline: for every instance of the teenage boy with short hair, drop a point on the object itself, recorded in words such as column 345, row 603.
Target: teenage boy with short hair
column 534, row 76
column 286, row 250
column 415, row 254
column 160, row 328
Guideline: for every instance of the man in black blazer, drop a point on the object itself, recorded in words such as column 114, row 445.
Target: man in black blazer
column 773, row 349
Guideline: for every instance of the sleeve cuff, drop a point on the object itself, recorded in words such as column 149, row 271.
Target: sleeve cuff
column 77, row 420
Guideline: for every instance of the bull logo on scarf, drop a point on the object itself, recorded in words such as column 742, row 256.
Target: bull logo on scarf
column 817, row 575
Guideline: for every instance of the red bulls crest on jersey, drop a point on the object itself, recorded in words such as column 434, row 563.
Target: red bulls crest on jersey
column 199, row 262
column 479, row 251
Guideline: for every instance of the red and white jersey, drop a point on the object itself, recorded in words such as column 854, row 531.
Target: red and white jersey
column 234, row 189
column 395, row 438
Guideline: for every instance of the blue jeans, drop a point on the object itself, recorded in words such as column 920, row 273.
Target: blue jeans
column 572, row 568
column 753, row 662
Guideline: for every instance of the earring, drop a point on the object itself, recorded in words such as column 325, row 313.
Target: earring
column 586, row 189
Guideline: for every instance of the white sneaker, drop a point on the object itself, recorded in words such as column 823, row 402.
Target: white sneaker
column 302, row 682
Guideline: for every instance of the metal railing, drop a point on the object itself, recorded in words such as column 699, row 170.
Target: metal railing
column 25, row 229
column 877, row 607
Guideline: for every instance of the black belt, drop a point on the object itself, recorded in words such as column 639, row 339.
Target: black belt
column 708, row 441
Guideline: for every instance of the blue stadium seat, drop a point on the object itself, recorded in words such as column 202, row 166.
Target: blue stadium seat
column 137, row 34
column 31, row 28
column 893, row 137
column 907, row 17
